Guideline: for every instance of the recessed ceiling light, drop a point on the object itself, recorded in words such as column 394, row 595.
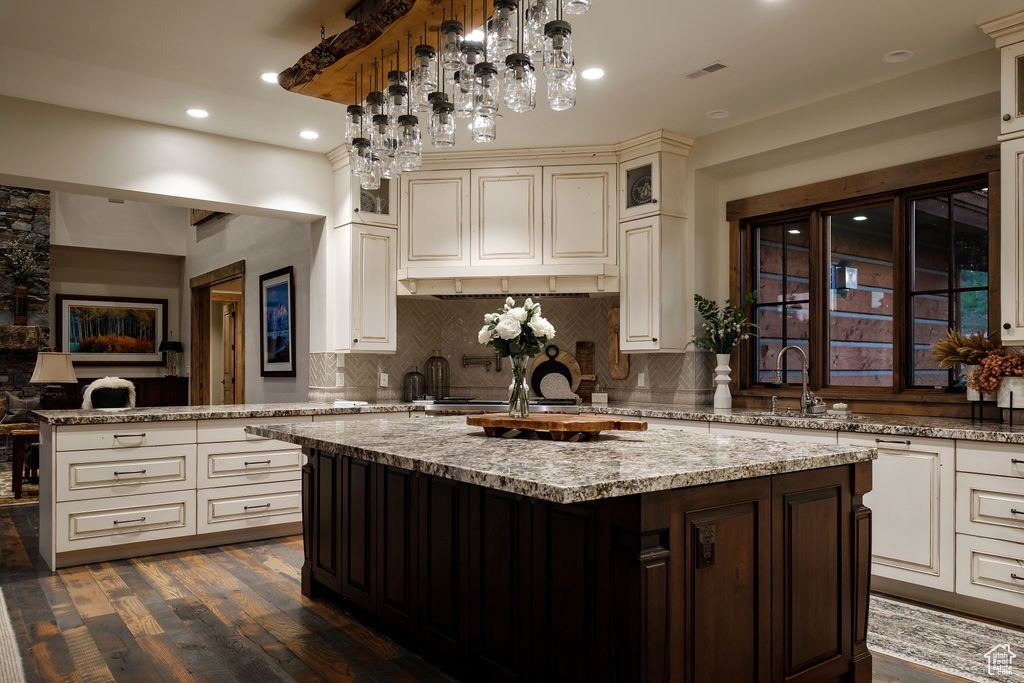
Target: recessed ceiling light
column 793, row 231
column 268, row 77
column 860, row 218
column 197, row 113
column 718, row 114
column 593, row 73
column 897, row 56
column 309, row 135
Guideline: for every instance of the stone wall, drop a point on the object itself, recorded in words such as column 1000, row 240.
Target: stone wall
column 24, row 213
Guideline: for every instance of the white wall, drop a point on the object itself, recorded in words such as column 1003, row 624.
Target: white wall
column 266, row 244
column 96, row 222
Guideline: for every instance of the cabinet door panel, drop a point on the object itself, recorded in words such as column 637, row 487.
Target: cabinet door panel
column 506, row 217
column 375, row 284
column 640, row 293
column 358, row 533
column 435, row 219
column 579, row 216
column 442, row 559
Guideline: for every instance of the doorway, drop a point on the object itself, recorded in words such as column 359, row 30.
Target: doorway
column 218, row 336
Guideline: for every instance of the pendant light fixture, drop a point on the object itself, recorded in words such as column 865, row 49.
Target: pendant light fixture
column 461, row 78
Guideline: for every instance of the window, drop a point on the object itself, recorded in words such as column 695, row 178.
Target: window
column 865, row 287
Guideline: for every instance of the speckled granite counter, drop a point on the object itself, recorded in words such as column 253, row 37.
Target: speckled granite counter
column 618, row 464
column 162, row 414
column 898, row 425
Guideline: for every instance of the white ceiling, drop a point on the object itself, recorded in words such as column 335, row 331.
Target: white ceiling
column 151, row 60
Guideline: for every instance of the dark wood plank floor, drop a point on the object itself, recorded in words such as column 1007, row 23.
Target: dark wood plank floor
column 232, row 613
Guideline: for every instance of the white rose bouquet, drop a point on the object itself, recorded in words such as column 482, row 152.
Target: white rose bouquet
column 516, row 330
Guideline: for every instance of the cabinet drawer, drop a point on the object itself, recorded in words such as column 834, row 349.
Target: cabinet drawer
column 233, row 429
column 990, row 569
column 244, row 507
column 1004, row 459
column 97, row 474
column 125, row 519
column 124, row 435
column 990, row 506
column 226, row 464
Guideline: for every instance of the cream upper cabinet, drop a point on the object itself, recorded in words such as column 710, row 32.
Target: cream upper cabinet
column 579, row 214
column 650, row 184
column 374, row 207
column 367, row 260
column 434, row 225
column 912, row 506
column 651, row 285
column 505, row 223
column 1011, row 89
column 1011, row 244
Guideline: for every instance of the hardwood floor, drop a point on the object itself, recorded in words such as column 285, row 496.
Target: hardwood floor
column 232, row 613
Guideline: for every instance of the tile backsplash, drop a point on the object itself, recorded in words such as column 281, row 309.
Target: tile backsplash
column 449, row 328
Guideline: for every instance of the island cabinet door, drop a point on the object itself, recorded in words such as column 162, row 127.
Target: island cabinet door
column 721, row 582
column 396, row 547
column 358, row 533
column 321, row 496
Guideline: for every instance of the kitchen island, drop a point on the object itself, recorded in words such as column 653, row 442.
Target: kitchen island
column 641, row 556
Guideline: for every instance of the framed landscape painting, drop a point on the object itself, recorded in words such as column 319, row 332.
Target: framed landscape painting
column 111, row 330
column 277, row 323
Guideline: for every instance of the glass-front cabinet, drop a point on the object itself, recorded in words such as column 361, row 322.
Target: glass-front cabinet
column 1012, row 89
column 639, row 186
column 375, row 207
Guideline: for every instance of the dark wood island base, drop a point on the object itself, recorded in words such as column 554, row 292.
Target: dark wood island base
column 759, row 579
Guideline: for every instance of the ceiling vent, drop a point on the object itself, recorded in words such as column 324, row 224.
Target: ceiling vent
column 705, row 70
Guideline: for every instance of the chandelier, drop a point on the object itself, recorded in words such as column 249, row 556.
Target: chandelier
column 467, row 76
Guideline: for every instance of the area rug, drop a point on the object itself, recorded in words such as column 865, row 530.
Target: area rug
column 974, row 650
column 29, row 492
column 11, row 669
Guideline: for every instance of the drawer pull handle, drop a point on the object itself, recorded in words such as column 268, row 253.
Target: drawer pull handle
column 257, row 507
column 118, row 474
column 1015, row 511
column 903, row 442
column 1016, row 461
column 140, row 435
column 129, row 521
column 1014, row 576
column 257, row 462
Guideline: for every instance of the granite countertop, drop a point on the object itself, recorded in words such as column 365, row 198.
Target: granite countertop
column 617, row 464
column 168, row 413
column 895, row 425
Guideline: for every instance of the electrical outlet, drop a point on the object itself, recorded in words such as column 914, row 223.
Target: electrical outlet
column 641, row 379
column 383, row 380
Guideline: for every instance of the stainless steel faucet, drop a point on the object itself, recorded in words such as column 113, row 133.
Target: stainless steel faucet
column 808, row 406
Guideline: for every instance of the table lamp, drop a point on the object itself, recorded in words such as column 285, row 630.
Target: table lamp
column 53, row 368
column 173, row 349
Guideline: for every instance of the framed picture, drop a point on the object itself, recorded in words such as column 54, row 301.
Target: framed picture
column 277, row 323
column 111, row 330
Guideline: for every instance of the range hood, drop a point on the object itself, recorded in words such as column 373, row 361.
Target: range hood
column 467, row 283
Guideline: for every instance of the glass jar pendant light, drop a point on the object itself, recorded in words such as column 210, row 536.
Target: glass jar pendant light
column 520, row 83
column 410, row 144
column 442, row 124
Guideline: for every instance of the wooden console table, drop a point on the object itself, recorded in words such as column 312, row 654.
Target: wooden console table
column 22, row 438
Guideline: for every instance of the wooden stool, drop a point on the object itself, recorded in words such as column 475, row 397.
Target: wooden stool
column 21, row 438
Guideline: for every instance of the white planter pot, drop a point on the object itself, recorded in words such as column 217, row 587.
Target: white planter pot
column 1010, row 388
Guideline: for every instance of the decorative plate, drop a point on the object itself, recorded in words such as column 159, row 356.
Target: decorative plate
column 642, row 190
column 367, row 202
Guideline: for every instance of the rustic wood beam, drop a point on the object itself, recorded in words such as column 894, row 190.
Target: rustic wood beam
column 330, row 70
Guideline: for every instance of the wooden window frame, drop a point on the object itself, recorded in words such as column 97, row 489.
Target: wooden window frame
column 813, row 201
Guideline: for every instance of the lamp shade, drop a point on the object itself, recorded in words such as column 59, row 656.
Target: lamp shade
column 53, row 367
column 171, row 346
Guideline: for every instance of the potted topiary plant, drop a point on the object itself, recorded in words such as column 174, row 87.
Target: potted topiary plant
column 20, row 258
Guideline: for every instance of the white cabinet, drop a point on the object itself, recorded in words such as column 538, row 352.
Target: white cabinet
column 368, row 270
column 1011, row 89
column 579, row 214
column 505, row 222
column 435, row 220
column 375, row 207
column 1011, row 244
column 651, row 184
column 990, row 522
column 651, row 292
column 911, row 500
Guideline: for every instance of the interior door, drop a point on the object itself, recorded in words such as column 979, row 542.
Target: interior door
column 229, row 314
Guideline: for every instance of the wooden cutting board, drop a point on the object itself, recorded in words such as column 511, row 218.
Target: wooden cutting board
column 618, row 362
column 560, row 426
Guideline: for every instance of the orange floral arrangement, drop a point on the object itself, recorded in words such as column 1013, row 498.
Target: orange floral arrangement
column 997, row 364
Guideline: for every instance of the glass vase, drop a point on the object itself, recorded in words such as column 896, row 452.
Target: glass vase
column 519, row 390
